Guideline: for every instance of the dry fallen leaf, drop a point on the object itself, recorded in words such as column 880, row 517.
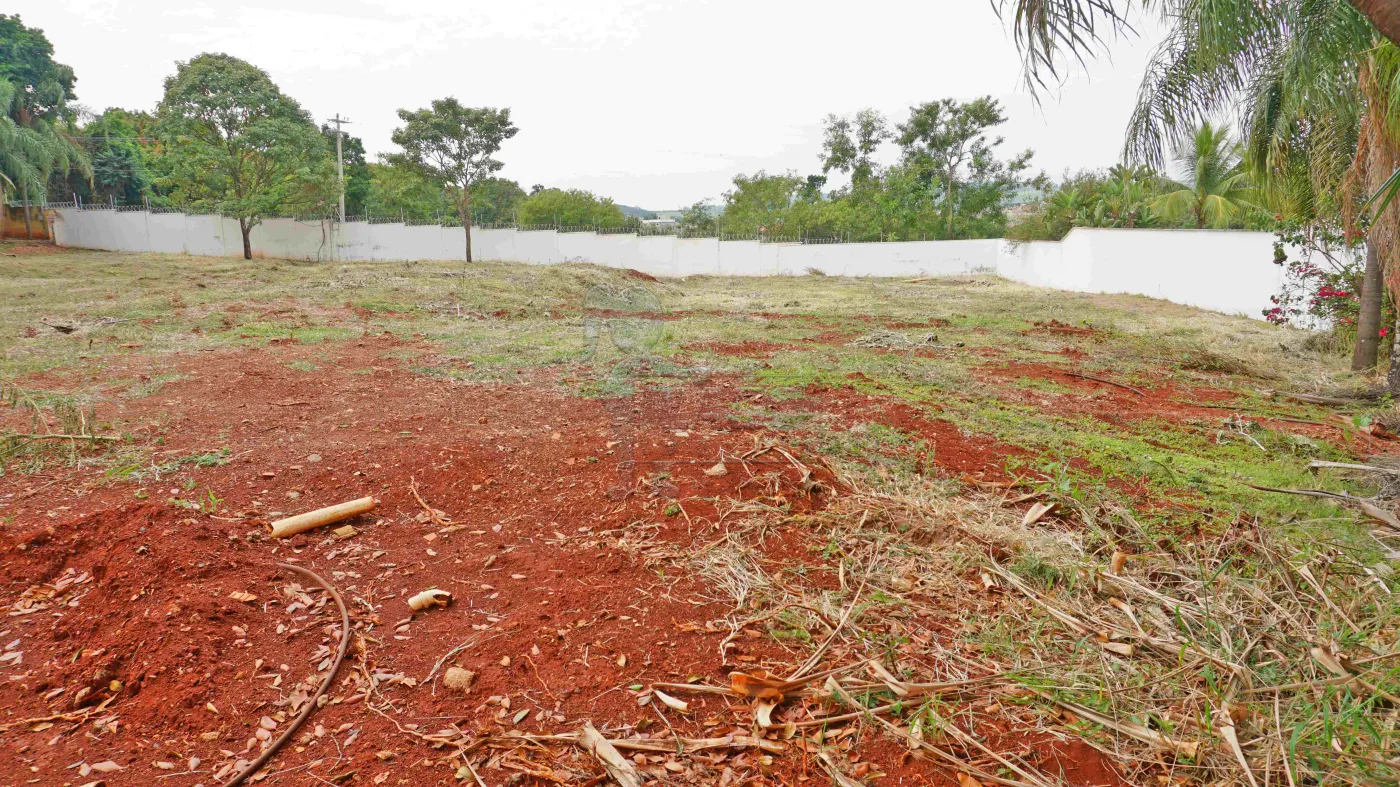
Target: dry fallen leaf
column 758, row 684
column 763, row 712
column 965, row 780
column 671, row 702
column 239, row 595
column 1035, row 513
column 1121, row 648
column 1115, row 565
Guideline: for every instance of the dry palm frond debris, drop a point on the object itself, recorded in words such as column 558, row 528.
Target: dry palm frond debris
column 1252, row 666
column 1234, row 660
column 76, row 424
column 892, row 340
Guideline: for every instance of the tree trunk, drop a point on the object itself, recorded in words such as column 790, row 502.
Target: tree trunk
column 467, row 221
column 246, row 227
column 1384, row 14
column 950, row 209
column 28, row 228
column 1392, row 377
column 1368, row 322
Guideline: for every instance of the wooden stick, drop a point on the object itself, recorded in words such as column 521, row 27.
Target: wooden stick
column 1367, row 507
column 618, row 767
column 64, row 437
column 1105, row 382
column 321, row 516
column 1316, row 464
column 1316, row 399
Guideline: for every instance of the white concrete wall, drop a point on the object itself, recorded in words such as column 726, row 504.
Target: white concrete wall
column 1222, row 270
column 1226, row 271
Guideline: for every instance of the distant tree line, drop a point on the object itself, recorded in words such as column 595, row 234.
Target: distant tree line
column 950, row 181
column 224, row 138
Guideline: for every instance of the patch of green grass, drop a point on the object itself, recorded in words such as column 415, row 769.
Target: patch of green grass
column 140, row 469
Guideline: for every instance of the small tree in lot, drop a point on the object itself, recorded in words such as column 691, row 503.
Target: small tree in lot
column 453, row 145
column 236, row 145
column 949, row 143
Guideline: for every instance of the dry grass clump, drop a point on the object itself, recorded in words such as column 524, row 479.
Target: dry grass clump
column 1235, row 661
column 1238, row 659
column 58, row 426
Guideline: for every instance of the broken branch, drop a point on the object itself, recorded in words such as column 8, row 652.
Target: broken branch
column 321, row 516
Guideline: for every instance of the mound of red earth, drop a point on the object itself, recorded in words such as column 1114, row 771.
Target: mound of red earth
column 1062, row 328
column 150, row 634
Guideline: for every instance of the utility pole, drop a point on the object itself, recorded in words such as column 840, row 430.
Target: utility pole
column 340, row 176
column 340, row 160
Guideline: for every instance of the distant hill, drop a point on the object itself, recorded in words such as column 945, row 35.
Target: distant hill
column 641, row 213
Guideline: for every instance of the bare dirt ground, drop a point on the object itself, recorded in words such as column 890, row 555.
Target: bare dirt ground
column 621, row 533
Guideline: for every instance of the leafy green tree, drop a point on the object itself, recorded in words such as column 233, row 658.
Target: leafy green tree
column 850, row 144
column 1215, row 190
column 357, row 177
column 496, row 200
column 397, row 190
column 761, row 204
column 235, row 144
column 949, row 141
column 453, row 145
column 697, row 220
column 124, row 162
column 36, row 119
column 571, row 208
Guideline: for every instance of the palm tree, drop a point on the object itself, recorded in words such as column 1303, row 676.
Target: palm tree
column 1320, row 101
column 1215, row 189
column 1315, row 82
column 1045, row 30
column 1126, row 200
column 32, row 148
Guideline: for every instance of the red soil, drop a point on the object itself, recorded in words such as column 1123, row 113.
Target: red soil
column 751, row 349
column 1171, row 401
column 573, row 514
column 765, row 349
column 948, row 449
column 1057, row 327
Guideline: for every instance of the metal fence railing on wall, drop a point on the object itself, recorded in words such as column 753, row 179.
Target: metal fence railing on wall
column 639, row 230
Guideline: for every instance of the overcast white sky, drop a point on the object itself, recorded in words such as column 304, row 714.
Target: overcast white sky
column 655, row 104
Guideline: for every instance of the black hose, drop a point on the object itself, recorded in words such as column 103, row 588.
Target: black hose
column 311, row 704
